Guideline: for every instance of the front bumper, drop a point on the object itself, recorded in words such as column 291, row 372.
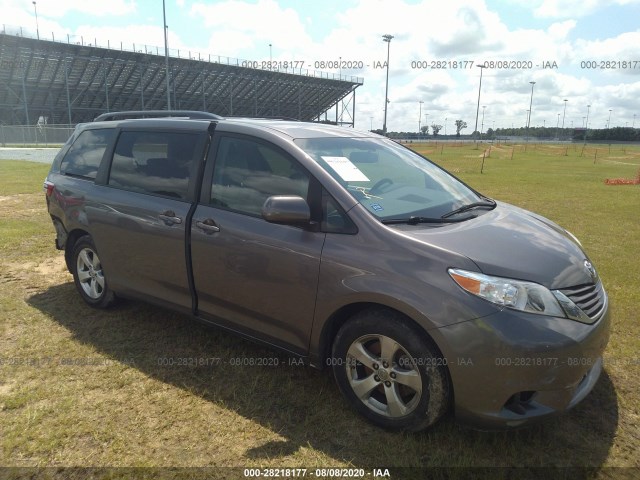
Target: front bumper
column 511, row 368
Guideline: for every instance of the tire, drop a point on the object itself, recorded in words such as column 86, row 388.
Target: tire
column 89, row 276
column 389, row 371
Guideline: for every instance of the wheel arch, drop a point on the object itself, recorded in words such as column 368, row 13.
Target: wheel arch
column 337, row 319
column 72, row 238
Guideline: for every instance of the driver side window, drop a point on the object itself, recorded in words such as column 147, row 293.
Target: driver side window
column 247, row 172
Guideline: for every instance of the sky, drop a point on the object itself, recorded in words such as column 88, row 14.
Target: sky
column 584, row 51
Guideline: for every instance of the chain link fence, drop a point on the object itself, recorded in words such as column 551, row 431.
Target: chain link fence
column 34, row 135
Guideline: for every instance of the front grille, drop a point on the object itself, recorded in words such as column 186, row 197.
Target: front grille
column 591, row 299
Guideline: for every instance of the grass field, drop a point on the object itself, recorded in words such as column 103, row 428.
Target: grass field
column 80, row 387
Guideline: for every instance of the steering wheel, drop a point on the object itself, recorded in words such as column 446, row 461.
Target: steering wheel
column 379, row 185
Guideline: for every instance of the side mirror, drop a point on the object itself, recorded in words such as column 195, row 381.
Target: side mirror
column 286, row 209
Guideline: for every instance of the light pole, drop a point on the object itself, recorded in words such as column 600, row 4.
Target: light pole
column 633, row 125
column 530, row 105
column 166, row 54
column 270, row 55
column 386, row 38
column 481, row 67
column 420, row 116
column 609, row 121
column 565, row 112
column 482, row 124
column 445, row 126
column 586, row 125
column 35, row 9
column 557, row 126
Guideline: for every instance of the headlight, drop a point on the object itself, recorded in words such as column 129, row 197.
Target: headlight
column 525, row 296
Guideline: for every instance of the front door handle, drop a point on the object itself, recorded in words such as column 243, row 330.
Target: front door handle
column 208, row 225
column 169, row 218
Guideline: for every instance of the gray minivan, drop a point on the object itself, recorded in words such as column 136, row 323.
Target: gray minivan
column 341, row 247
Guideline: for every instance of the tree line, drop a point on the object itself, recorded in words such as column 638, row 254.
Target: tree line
column 436, row 130
column 614, row 134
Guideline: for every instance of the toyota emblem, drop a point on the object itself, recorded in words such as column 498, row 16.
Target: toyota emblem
column 592, row 271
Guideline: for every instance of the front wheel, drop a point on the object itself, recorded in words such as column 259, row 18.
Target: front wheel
column 89, row 276
column 389, row 373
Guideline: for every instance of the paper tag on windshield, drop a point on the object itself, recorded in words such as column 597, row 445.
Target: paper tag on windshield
column 347, row 170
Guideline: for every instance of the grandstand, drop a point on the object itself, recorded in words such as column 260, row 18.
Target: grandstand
column 67, row 81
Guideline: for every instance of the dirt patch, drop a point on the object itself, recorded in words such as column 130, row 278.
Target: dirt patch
column 5, row 388
column 49, row 272
column 22, row 205
column 52, row 266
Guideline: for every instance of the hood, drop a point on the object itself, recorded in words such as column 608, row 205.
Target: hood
column 514, row 243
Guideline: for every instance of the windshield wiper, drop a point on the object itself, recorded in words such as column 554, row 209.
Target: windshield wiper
column 413, row 220
column 490, row 203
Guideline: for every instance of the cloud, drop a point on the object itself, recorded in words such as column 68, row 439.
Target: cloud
column 560, row 30
column 623, row 47
column 238, row 26
column 60, row 8
column 139, row 35
column 469, row 32
column 574, row 8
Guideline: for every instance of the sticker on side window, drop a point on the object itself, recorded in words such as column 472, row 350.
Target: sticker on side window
column 347, row 170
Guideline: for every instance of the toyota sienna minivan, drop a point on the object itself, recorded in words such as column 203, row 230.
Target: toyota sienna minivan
column 343, row 248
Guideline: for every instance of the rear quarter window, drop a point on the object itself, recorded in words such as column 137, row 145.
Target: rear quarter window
column 84, row 156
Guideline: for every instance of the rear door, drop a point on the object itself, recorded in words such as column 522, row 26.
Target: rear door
column 261, row 278
column 140, row 213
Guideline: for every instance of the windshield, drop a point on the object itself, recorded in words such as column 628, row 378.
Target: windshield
column 390, row 181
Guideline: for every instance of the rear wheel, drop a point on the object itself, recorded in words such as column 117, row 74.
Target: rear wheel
column 388, row 372
column 88, row 274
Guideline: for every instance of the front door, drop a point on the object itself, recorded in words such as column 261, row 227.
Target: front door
column 249, row 274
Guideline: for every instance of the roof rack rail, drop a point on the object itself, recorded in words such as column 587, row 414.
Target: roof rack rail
column 189, row 114
column 268, row 117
